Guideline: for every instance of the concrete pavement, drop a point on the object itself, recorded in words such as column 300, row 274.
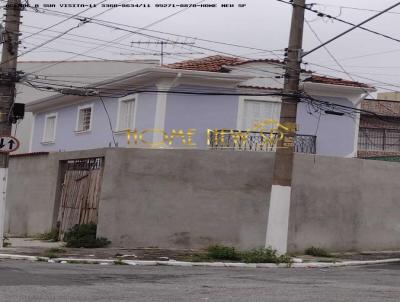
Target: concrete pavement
column 35, row 281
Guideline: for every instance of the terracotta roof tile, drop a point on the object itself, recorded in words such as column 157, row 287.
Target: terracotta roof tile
column 335, row 81
column 213, row 63
column 217, row 63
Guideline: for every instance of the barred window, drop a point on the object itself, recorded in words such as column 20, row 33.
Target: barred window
column 84, row 119
column 371, row 139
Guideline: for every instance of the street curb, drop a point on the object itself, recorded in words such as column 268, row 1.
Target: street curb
column 191, row 264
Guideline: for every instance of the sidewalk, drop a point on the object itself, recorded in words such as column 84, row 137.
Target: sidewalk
column 31, row 249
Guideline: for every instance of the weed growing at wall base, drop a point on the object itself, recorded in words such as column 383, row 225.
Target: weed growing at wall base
column 317, row 252
column 6, row 242
column 53, row 253
column 220, row 252
column 48, row 236
column 84, row 235
column 226, row 253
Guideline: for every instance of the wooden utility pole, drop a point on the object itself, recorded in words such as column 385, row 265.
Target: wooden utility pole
column 8, row 78
column 279, row 207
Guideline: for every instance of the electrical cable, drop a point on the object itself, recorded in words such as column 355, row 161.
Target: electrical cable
column 321, row 14
column 340, row 65
column 353, row 28
column 361, row 77
column 82, row 22
column 62, row 21
column 131, row 91
column 109, row 121
column 119, row 38
column 354, row 8
column 181, row 36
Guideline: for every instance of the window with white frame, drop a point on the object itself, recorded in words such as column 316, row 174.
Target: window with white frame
column 126, row 114
column 49, row 131
column 256, row 111
column 84, row 119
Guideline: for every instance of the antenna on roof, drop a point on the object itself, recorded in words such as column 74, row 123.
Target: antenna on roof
column 162, row 45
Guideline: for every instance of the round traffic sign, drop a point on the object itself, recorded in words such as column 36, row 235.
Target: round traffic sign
column 8, row 144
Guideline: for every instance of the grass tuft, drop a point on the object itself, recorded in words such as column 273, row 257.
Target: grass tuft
column 220, row 252
column 53, row 252
column 48, row 236
column 84, row 235
column 6, row 241
column 317, row 252
column 226, row 253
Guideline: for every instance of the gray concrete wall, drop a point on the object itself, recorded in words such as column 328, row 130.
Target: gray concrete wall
column 194, row 198
column 30, row 194
column 344, row 204
column 185, row 198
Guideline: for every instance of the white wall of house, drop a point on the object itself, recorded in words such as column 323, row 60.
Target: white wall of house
column 336, row 135
column 76, row 73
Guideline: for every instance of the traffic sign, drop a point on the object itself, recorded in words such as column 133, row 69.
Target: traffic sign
column 8, row 144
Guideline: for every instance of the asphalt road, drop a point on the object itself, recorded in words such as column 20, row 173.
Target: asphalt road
column 37, row 281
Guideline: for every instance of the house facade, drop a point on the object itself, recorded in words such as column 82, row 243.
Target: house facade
column 379, row 135
column 64, row 73
column 190, row 102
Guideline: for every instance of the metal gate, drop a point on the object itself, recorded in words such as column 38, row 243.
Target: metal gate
column 80, row 193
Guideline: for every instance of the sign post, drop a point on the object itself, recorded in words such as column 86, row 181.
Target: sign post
column 7, row 144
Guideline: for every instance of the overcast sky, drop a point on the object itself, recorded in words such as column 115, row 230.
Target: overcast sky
column 262, row 24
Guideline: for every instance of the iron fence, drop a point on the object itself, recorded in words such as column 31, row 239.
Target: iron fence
column 373, row 139
column 257, row 141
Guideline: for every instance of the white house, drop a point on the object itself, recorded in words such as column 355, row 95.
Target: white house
column 64, row 73
column 195, row 96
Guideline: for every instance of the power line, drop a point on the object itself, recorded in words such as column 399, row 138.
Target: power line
column 321, row 14
column 109, row 121
column 82, row 22
column 334, row 58
column 353, row 28
column 131, row 91
column 129, row 47
column 117, row 39
column 62, row 21
column 154, row 37
column 353, row 8
column 328, row 51
column 340, row 65
column 178, row 35
column 95, row 86
column 361, row 77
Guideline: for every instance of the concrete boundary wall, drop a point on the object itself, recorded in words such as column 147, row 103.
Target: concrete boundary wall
column 345, row 204
column 33, row 190
column 185, row 198
column 194, row 198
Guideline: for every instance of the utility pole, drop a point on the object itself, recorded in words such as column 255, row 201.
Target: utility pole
column 279, row 206
column 8, row 76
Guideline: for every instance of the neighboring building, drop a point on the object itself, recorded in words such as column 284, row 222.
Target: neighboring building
column 172, row 97
column 379, row 134
column 389, row 96
column 77, row 73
